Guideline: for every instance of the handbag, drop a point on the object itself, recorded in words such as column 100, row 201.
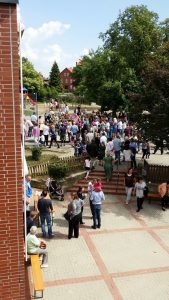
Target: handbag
column 67, row 216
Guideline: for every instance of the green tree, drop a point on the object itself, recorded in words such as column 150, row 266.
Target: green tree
column 54, row 78
column 32, row 79
column 134, row 34
column 104, row 77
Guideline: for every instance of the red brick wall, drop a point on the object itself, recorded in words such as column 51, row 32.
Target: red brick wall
column 66, row 80
column 12, row 273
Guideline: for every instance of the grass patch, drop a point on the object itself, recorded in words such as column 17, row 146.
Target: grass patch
column 44, row 159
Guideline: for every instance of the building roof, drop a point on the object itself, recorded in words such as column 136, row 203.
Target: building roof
column 70, row 69
column 67, row 69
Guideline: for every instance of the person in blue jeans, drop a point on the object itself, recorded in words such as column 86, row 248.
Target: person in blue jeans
column 117, row 147
column 45, row 208
column 97, row 198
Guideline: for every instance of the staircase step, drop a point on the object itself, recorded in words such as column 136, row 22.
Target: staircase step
column 102, row 172
column 104, row 185
column 104, row 181
column 113, row 191
column 103, row 175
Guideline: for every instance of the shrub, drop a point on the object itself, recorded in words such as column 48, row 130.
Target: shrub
column 57, row 170
column 36, row 153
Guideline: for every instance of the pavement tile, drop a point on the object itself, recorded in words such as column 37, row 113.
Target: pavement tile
column 144, row 287
column 112, row 217
column 75, row 269
column 126, row 251
column 69, row 259
column 82, row 291
column 152, row 214
column 164, row 235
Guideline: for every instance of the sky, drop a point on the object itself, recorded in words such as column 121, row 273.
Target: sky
column 65, row 30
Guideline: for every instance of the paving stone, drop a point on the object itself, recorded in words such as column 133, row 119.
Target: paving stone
column 81, row 291
column 144, row 287
column 126, row 251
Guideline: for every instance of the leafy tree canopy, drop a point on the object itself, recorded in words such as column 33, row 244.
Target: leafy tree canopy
column 32, row 79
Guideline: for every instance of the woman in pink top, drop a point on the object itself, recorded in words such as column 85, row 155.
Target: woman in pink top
column 36, row 133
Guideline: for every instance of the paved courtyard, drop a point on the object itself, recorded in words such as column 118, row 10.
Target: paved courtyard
column 128, row 258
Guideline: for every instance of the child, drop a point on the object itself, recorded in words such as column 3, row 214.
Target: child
column 77, row 149
column 42, row 139
column 87, row 166
column 97, row 186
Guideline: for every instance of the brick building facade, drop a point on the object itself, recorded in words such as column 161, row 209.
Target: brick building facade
column 67, row 80
column 12, row 271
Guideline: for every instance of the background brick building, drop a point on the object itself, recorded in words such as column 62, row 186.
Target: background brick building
column 12, row 272
column 67, row 80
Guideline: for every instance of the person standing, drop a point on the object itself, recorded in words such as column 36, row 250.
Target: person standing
column 139, row 190
column 30, row 221
column 101, row 153
column 117, row 147
column 62, row 133
column 36, row 133
column 53, row 138
column 144, row 148
column 46, row 133
column 97, row 198
column 163, row 190
column 74, row 209
column 45, row 208
column 34, row 118
column 90, row 188
column 81, row 195
column 87, row 166
column 108, row 166
column 28, row 193
column 129, row 184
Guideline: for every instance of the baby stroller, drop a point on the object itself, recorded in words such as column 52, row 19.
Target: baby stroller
column 54, row 189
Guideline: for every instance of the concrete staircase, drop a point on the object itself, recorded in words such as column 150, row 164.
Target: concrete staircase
column 113, row 187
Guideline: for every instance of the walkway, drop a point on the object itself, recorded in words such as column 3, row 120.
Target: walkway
column 128, row 258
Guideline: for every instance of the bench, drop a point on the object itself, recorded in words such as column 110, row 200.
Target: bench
column 154, row 196
column 37, row 275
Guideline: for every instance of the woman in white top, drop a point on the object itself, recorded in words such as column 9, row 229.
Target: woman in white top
column 87, row 166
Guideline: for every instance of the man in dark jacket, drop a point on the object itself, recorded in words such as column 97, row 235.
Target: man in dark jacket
column 45, row 208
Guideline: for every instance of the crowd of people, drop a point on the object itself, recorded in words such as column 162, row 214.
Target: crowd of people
column 74, row 214
column 103, row 138
column 93, row 134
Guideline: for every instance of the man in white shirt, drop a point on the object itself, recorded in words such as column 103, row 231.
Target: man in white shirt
column 103, row 138
column 90, row 136
column 97, row 198
column 119, row 126
column 46, row 133
column 110, row 147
